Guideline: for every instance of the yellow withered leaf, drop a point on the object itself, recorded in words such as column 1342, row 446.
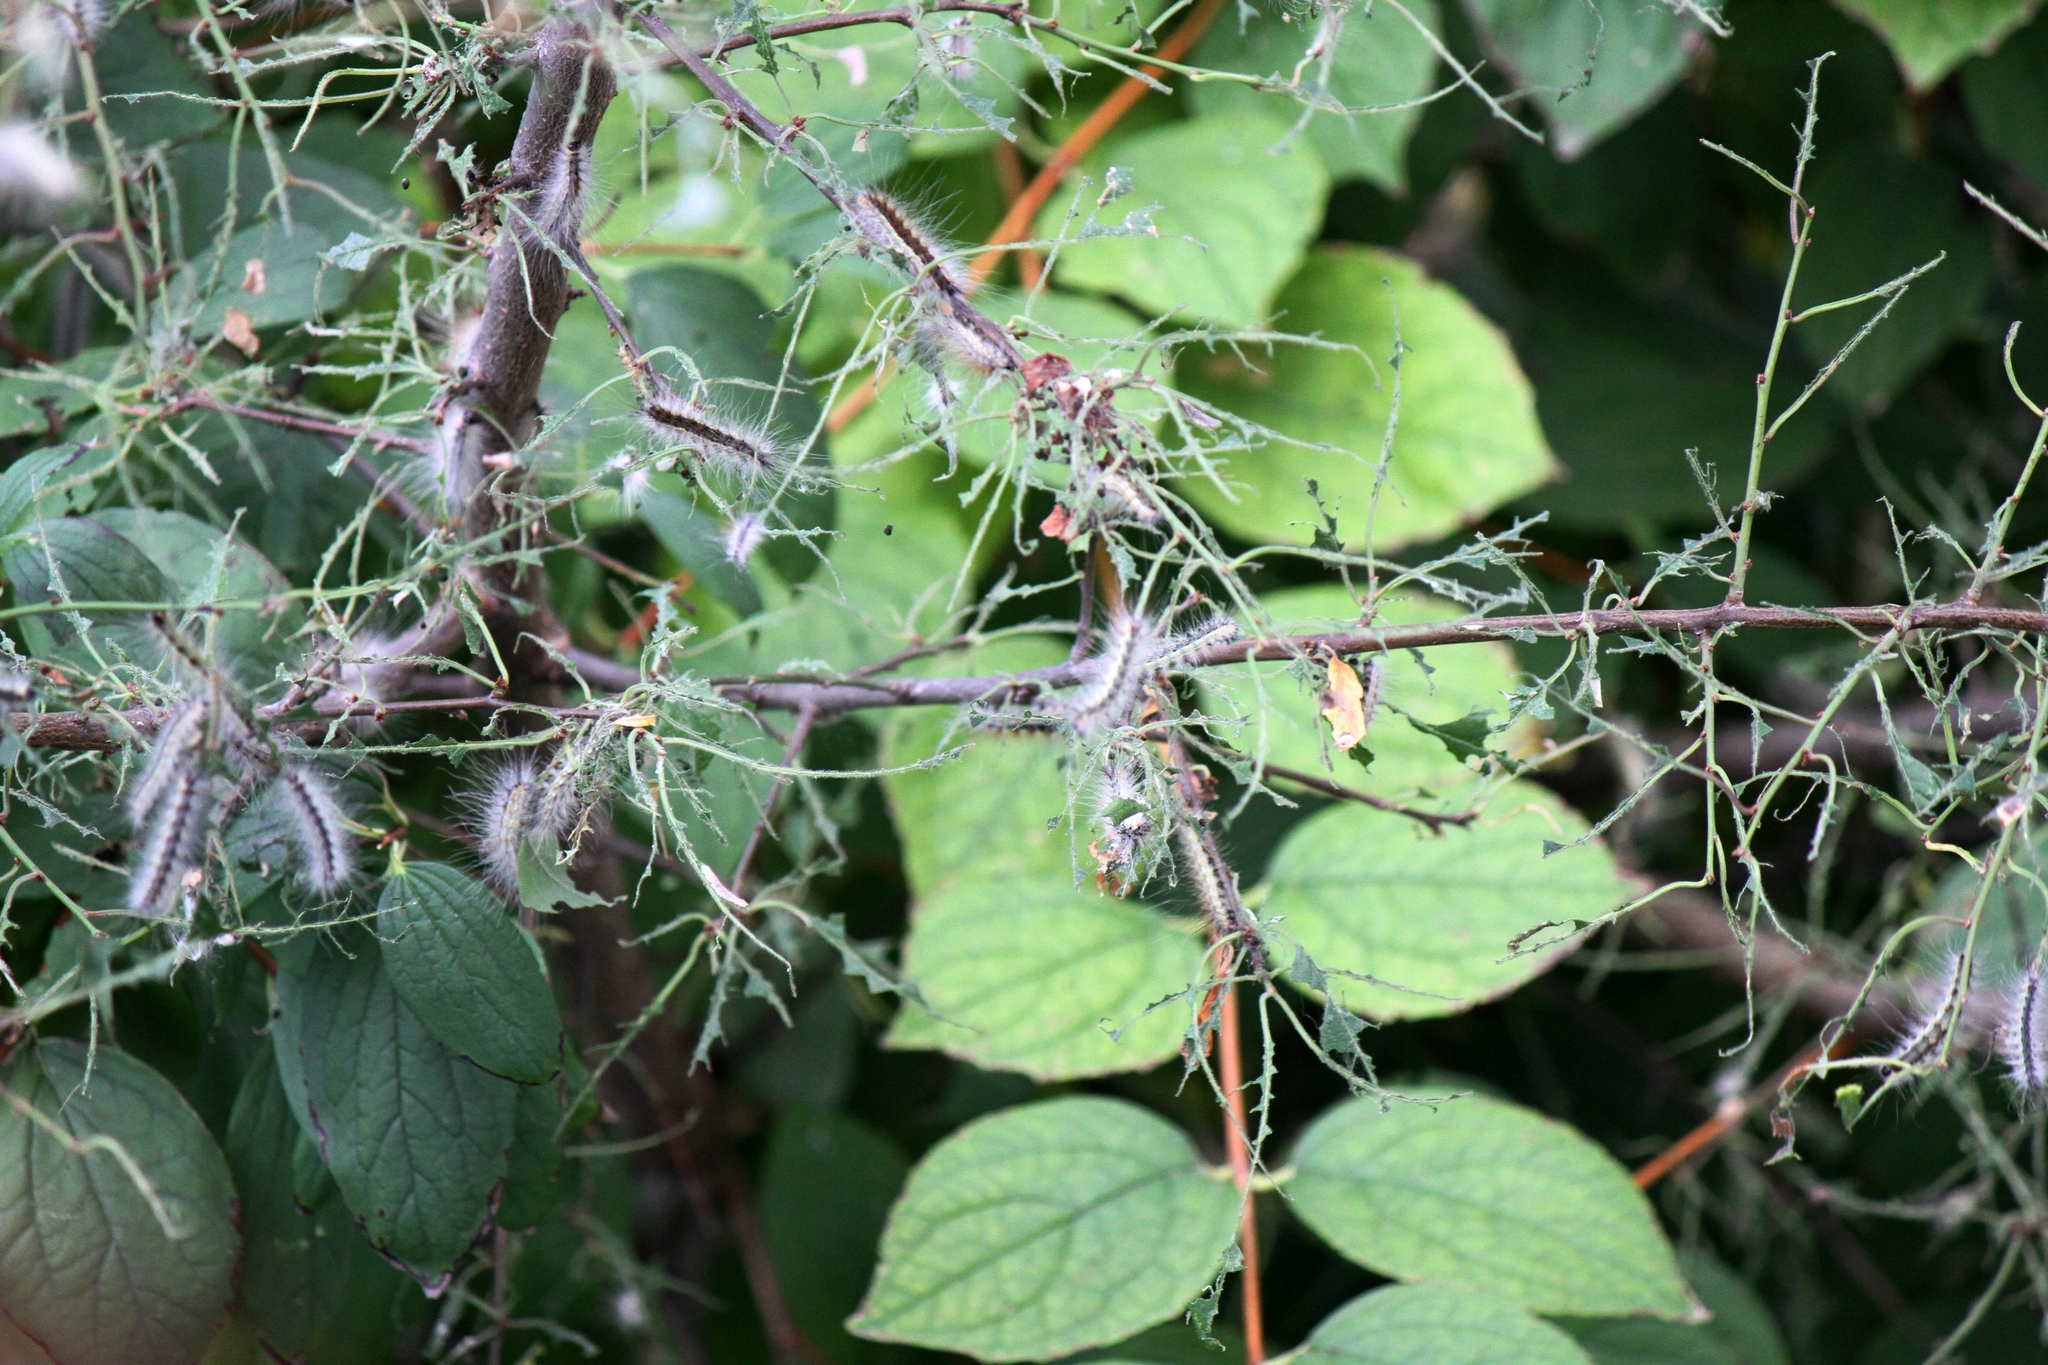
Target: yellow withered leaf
column 1343, row 704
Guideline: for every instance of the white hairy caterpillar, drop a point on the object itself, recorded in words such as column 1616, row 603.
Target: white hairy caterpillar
column 740, row 449
column 1921, row 1036
column 564, row 198
column 177, row 744
column 1126, row 822
column 2023, row 1036
column 318, row 827
column 175, row 837
column 1130, row 645
column 743, row 535
column 887, row 224
column 502, row 817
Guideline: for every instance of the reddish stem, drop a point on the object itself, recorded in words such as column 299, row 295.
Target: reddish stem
column 1236, row 1136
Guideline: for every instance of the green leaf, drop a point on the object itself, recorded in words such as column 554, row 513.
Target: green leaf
column 134, row 59
column 1032, row 976
column 468, row 972
column 1219, row 254
column 1430, row 919
column 303, row 1248
column 1047, row 1228
column 2004, row 97
column 111, row 1159
column 48, row 483
column 29, row 397
column 544, row 883
column 415, row 1136
column 1282, row 725
column 1464, row 738
column 78, row 559
column 534, row 1165
column 1741, row 1332
column 826, row 1185
column 1592, row 64
column 1380, row 59
column 695, row 536
column 1489, row 1196
column 202, row 566
column 1877, row 216
column 1026, row 970
column 1433, row 1324
column 1931, row 37
column 1467, row 439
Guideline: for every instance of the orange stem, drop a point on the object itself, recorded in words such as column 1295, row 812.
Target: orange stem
column 1024, row 208
column 1236, row 1137
column 1733, row 1111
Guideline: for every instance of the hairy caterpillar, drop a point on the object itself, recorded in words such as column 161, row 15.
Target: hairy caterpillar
column 1921, row 1037
column 1126, row 823
column 1130, row 645
column 743, row 535
column 949, row 328
column 887, row 224
column 564, row 198
column 318, row 826
column 502, row 815
column 176, row 836
column 740, row 449
column 176, row 748
column 2023, row 1036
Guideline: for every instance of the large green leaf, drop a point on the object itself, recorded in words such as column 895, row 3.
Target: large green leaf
column 1032, row 976
column 48, row 483
column 468, row 972
column 415, row 1136
column 1592, row 64
column 1930, row 37
column 1040, row 1230
column 202, row 567
column 1436, row 1324
column 1877, row 216
column 304, row 1250
column 1489, row 1196
column 1467, row 439
column 78, row 559
column 2005, row 103
column 1380, row 60
column 1270, row 716
column 111, row 1159
column 1429, row 919
column 1220, row 254
column 1027, row 971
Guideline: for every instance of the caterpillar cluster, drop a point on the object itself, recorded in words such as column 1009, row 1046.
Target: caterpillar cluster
column 1132, row 649
column 740, row 450
column 949, row 327
column 1124, row 819
column 182, row 798
column 527, row 802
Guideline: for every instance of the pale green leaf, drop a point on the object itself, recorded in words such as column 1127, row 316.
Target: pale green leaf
column 1026, row 970
column 1429, row 918
column 1047, row 1228
column 1033, row 976
column 1486, row 1195
column 1436, row 1325
column 117, row 1220
column 1243, row 247
column 1467, row 439
column 1268, row 715
column 29, row 397
column 468, row 972
column 1931, row 37
column 1380, row 60
column 415, row 1136
column 1592, row 65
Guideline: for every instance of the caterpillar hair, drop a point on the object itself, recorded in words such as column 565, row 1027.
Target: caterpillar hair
column 1375, row 683
column 2023, row 1036
column 740, row 449
column 1130, row 644
column 564, row 198
column 176, row 838
column 886, row 223
column 318, row 826
column 1921, row 1036
column 1214, row 888
column 16, row 690
column 1126, row 822
column 502, row 817
column 176, row 751
column 1214, row 629
column 743, row 535
column 1122, row 495
column 964, row 336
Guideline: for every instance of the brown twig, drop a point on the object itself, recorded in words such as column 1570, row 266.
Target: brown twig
column 1734, row 1110
column 1433, row 819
